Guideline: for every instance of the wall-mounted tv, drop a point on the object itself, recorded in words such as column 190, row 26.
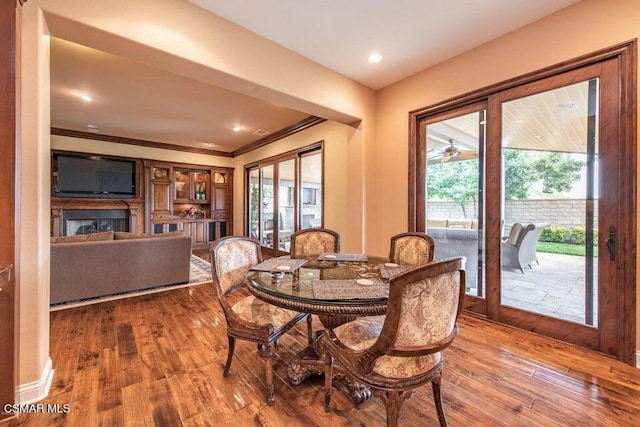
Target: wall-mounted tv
column 93, row 176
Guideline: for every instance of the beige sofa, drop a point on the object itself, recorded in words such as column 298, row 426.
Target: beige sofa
column 110, row 263
column 454, row 238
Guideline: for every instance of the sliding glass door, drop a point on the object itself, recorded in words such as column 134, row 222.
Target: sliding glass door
column 455, row 189
column 549, row 253
column 283, row 195
column 526, row 183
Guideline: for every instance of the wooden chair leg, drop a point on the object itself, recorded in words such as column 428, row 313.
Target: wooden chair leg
column 392, row 403
column 267, row 355
column 437, row 398
column 328, row 383
column 309, row 330
column 232, row 346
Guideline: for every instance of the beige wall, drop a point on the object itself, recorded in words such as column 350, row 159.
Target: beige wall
column 176, row 36
column 582, row 28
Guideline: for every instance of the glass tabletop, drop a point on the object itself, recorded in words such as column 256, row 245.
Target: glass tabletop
column 297, row 286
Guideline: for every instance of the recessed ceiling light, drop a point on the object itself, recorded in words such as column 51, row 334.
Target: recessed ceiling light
column 236, row 128
column 86, row 97
column 566, row 106
column 375, row 57
column 92, row 126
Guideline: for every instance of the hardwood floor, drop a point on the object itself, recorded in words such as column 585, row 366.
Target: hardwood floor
column 157, row 360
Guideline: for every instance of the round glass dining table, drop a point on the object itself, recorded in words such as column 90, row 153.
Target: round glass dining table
column 295, row 291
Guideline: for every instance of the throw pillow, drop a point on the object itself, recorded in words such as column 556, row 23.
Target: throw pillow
column 93, row 237
column 123, row 235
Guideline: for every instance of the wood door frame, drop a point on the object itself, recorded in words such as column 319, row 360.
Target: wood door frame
column 296, row 155
column 626, row 54
column 9, row 68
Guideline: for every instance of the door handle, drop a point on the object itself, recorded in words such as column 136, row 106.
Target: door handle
column 611, row 242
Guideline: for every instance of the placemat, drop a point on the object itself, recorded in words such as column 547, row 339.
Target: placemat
column 343, row 257
column 348, row 289
column 272, row 264
column 387, row 272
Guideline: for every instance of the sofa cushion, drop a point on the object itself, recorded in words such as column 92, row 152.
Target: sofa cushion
column 514, row 234
column 93, row 237
column 436, row 222
column 459, row 223
column 121, row 235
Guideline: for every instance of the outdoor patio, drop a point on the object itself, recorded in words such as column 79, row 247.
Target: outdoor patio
column 554, row 288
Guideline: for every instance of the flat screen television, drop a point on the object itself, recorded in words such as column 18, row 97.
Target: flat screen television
column 93, row 176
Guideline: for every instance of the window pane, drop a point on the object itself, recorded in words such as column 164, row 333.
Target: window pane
column 254, row 204
column 286, row 203
column 311, row 191
column 455, row 209
column 267, row 206
column 550, row 163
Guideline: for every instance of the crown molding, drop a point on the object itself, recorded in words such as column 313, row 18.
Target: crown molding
column 132, row 141
column 276, row 136
column 282, row 133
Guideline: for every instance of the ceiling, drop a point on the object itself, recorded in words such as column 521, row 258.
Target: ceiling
column 132, row 100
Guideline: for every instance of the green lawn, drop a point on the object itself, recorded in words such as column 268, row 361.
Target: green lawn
column 563, row 248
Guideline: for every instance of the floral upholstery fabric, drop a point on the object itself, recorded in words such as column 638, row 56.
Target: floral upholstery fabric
column 313, row 243
column 412, row 250
column 253, row 310
column 428, row 315
column 233, row 260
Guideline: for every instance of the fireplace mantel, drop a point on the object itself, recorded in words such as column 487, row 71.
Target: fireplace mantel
column 135, row 207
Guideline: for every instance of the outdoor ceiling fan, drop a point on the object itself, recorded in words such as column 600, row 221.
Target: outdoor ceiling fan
column 453, row 152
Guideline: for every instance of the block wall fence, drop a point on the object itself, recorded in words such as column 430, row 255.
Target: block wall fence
column 559, row 212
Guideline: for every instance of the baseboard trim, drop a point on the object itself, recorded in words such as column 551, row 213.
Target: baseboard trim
column 37, row 390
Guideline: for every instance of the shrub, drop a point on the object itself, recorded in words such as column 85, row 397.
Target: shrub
column 559, row 234
column 555, row 234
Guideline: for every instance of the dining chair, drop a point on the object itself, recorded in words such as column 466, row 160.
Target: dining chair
column 313, row 242
column 248, row 318
column 402, row 350
column 411, row 248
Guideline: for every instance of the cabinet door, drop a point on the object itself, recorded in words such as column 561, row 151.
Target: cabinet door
column 160, row 200
column 182, row 185
column 220, row 201
column 197, row 230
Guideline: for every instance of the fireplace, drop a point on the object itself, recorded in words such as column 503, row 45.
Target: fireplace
column 88, row 221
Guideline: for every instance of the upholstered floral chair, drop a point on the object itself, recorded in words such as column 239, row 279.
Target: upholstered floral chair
column 248, row 318
column 411, row 248
column 313, row 242
column 398, row 352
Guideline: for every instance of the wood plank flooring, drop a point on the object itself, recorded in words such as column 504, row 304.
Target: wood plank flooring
column 157, row 360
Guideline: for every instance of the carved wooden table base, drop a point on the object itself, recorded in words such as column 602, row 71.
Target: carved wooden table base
column 309, row 362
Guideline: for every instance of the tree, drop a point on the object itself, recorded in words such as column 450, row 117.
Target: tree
column 557, row 172
column 457, row 181
column 519, row 173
